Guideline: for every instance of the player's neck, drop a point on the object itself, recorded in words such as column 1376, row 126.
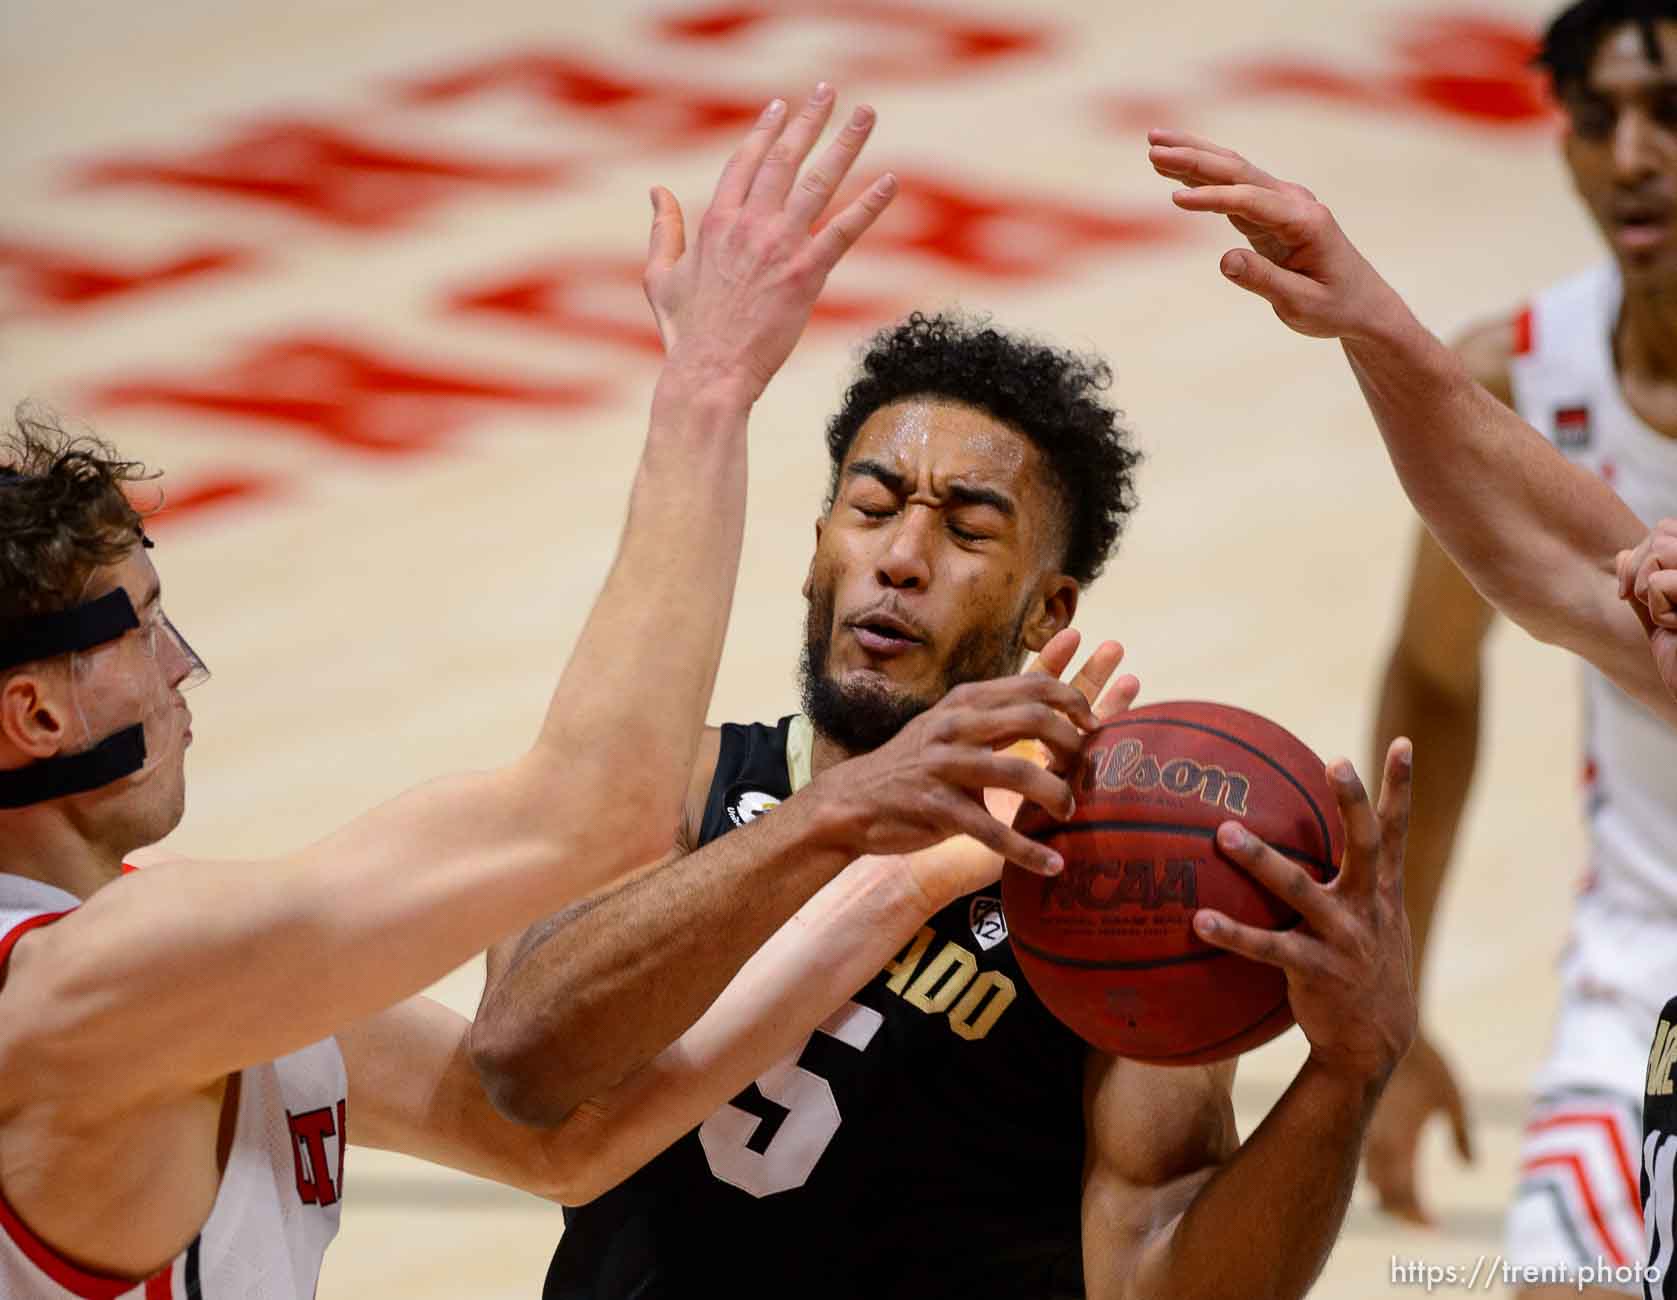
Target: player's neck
column 825, row 753
column 1645, row 343
column 46, row 843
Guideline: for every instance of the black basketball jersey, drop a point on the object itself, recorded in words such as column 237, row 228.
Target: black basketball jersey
column 927, row 1141
column 1659, row 1160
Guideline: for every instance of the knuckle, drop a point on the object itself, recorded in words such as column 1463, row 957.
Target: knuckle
column 944, row 728
column 937, row 754
column 928, row 803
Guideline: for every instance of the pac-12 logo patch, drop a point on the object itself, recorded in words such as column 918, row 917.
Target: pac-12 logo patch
column 1572, row 427
column 988, row 924
column 745, row 803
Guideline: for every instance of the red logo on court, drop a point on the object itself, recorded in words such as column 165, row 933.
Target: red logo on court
column 324, row 173
column 46, row 278
column 575, row 83
column 1006, row 235
column 913, row 42
column 347, row 395
column 1464, row 66
column 600, row 300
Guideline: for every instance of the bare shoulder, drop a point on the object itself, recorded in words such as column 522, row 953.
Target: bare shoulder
column 1487, row 348
column 38, row 1059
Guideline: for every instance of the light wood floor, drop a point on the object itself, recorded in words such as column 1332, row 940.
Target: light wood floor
column 374, row 617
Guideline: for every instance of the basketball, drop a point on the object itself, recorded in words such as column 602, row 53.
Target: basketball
column 1109, row 944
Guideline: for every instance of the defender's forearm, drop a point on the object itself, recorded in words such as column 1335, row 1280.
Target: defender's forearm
column 1536, row 534
column 450, row 866
column 623, row 728
column 1262, row 1227
column 599, row 991
column 833, row 945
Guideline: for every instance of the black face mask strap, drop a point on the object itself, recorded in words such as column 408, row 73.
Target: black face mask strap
column 25, row 638
column 53, row 778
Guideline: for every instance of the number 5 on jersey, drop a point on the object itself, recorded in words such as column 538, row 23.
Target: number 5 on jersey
column 775, row 1145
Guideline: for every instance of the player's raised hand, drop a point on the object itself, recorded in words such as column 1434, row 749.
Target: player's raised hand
column 731, row 303
column 1422, row 1086
column 1091, row 682
column 1348, row 960
column 1300, row 262
column 960, row 865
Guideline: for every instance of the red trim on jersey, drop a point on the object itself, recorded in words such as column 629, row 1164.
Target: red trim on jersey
column 93, row 1286
column 161, row 1286
column 1570, row 1162
column 1610, row 1124
column 1524, row 335
column 77, row 1281
column 8, row 941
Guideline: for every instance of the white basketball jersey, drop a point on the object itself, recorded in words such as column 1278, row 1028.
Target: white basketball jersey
column 1567, row 386
column 278, row 1205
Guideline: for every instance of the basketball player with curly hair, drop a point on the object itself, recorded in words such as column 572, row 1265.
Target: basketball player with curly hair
column 937, row 1132
column 185, row 1050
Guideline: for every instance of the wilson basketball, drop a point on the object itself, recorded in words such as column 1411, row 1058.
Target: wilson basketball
column 1109, row 944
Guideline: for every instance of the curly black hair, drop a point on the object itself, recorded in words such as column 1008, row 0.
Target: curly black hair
column 1052, row 396
column 63, row 513
column 1576, row 33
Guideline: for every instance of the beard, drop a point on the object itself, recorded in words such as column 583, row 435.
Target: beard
column 863, row 711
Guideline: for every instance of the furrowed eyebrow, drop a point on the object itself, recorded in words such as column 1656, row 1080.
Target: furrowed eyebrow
column 965, row 494
column 874, row 470
column 968, row 495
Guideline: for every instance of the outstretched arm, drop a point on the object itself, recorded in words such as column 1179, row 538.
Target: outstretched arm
column 603, row 989
column 1171, row 1207
column 413, row 1088
column 1431, row 693
column 427, row 1101
column 1538, row 536
column 406, row 892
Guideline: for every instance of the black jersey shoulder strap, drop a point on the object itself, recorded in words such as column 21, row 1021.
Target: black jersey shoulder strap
column 1659, row 1159
column 752, row 776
